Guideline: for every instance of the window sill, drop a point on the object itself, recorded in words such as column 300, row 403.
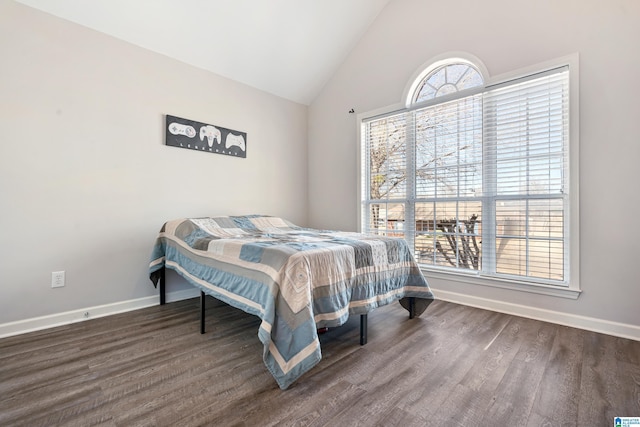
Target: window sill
column 554, row 291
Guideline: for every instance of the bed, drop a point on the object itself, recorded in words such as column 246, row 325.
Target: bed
column 296, row 280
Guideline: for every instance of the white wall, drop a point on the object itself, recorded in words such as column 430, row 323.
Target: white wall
column 507, row 35
column 86, row 181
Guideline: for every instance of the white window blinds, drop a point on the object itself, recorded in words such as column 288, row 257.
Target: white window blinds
column 526, row 138
column 476, row 183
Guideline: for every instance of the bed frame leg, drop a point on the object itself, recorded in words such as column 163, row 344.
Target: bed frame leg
column 412, row 307
column 163, row 298
column 363, row 329
column 202, row 304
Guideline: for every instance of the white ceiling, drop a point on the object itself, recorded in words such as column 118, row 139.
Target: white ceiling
column 289, row 48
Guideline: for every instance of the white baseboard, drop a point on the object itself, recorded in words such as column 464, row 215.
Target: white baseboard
column 622, row 330
column 73, row 316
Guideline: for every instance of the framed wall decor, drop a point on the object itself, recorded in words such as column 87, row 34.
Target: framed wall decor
column 192, row 135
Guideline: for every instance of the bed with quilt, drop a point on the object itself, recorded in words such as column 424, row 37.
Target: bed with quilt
column 296, row 280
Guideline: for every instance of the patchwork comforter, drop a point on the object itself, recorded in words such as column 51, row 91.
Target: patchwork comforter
column 294, row 279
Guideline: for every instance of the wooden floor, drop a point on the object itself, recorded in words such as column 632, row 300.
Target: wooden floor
column 454, row 366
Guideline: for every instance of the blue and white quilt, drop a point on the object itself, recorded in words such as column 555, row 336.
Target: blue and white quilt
column 294, row 279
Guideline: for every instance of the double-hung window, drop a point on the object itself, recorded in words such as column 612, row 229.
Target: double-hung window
column 475, row 175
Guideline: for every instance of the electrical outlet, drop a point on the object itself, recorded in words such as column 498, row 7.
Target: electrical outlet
column 57, row 279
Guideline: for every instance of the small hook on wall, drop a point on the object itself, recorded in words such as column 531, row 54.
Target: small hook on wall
column 352, row 111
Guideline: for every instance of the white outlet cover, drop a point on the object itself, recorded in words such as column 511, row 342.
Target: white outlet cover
column 57, row 279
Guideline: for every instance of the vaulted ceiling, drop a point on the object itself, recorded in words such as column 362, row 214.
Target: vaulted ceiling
column 289, row 48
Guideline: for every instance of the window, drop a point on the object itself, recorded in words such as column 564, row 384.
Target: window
column 475, row 175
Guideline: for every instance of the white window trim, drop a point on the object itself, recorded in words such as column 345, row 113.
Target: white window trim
column 572, row 291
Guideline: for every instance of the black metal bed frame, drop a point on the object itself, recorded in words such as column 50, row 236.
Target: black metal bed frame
column 363, row 317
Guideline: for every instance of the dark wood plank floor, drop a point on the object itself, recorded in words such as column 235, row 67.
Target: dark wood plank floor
column 454, row 366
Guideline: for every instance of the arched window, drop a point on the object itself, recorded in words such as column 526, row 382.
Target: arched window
column 475, row 176
column 447, row 79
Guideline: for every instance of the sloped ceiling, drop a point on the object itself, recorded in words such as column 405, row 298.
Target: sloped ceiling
column 289, row 48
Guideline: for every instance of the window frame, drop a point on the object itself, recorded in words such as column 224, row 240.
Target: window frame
column 572, row 289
